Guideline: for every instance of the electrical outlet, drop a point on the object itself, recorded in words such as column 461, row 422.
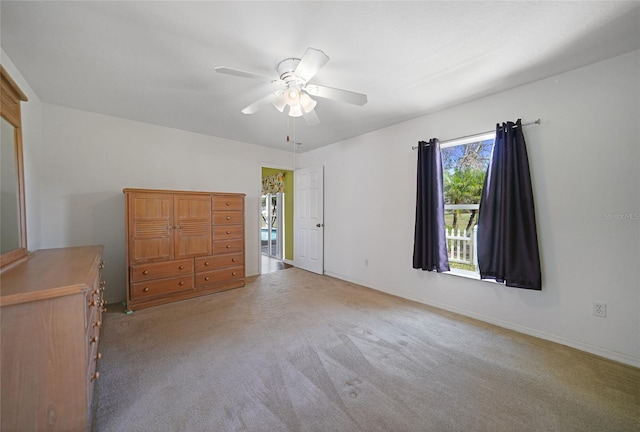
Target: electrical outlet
column 600, row 309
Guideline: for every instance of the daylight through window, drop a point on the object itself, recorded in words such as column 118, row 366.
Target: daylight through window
column 465, row 165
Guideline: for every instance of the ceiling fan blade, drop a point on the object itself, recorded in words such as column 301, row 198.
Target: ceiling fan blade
column 243, row 74
column 259, row 104
column 311, row 118
column 336, row 94
column 310, row 63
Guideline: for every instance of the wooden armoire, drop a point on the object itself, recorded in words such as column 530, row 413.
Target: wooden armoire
column 182, row 244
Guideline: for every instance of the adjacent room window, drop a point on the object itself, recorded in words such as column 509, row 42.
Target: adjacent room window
column 464, row 165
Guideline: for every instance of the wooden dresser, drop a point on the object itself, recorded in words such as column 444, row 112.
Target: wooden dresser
column 182, row 245
column 51, row 315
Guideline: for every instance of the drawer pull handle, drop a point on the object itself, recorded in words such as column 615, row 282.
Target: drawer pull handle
column 207, row 278
column 233, row 260
column 228, row 218
column 95, row 376
column 181, row 267
column 146, row 272
column 145, row 289
column 181, row 283
column 206, row 263
column 94, row 340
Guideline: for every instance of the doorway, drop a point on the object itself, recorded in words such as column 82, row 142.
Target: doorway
column 276, row 219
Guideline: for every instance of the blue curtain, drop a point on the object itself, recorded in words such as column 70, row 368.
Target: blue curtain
column 430, row 243
column 507, row 234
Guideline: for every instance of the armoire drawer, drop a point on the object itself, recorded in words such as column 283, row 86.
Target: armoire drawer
column 228, row 232
column 161, row 286
column 211, row 277
column 159, row 270
column 216, row 262
column 226, row 203
column 227, row 246
column 227, row 217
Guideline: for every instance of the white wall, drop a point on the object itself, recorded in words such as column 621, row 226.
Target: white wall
column 585, row 165
column 89, row 158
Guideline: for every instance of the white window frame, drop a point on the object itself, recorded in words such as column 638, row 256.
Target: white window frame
column 454, row 143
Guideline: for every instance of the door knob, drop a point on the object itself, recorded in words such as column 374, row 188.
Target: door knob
column 319, row 225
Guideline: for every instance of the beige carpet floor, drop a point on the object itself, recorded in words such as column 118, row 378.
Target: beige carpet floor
column 294, row 351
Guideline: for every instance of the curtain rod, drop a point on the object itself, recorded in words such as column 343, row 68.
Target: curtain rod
column 537, row 122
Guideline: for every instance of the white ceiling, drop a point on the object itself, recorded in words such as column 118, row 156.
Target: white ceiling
column 154, row 61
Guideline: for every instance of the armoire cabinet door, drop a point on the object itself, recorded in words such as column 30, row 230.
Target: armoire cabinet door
column 192, row 226
column 150, row 227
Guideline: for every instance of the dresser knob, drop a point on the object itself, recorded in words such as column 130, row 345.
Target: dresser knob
column 95, row 376
column 145, row 289
column 181, row 283
column 233, row 260
column 228, row 217
column 227, row 203
column 103, row 283
column 228, row 232
column 98, row 356
column 94, row 340
column 92, row 303
column 228, row 246
column 207, row 278
column 146, row 272
column 206, row 263
column 104, row 309
column 97, row 324
column 233, row 274
column 181, row 267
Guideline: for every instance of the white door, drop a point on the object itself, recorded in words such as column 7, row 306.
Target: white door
column 308, row 219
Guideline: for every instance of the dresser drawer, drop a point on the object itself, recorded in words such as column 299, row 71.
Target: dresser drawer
column 228, row 246
column 225, row 203
column 227, row 217
column 211, row 277
column 161, row 286
column 217, row 262
column 144, row 272
column 228, row 232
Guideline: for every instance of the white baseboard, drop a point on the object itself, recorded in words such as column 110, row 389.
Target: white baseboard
column 602, row 352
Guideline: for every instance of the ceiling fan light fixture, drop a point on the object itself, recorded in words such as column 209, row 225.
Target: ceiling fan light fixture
column 293, row 93
column 295, row 110
column 307, row 103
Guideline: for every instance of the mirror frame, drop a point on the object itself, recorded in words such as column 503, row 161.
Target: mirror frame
column 10, row 98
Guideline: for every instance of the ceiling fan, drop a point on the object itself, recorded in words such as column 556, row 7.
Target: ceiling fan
column 293, row 87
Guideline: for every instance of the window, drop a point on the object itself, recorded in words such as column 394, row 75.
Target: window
column 464, row 164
